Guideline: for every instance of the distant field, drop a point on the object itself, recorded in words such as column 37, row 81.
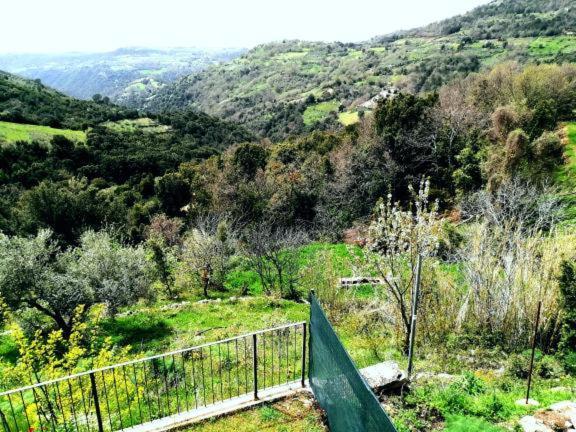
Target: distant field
column 319, row 112
column 13, row 132
column 566, row 175
column 348, row 118
column 143, row 124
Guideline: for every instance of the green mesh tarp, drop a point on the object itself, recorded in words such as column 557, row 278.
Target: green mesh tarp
column 350, row 404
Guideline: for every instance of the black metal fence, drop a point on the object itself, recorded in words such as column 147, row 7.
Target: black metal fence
column 136, row 392
column 339, row 388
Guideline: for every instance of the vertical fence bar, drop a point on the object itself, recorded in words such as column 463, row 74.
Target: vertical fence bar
column 532, row 354
column 303, row 379
column 165, row 377
column 96, row 402
column 255, row 364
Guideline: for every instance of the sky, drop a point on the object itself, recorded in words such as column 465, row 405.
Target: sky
column 104, row 25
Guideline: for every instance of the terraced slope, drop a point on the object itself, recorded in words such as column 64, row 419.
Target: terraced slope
column 295, row 86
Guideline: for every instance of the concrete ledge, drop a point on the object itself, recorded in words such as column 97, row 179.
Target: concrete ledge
column 178, row 421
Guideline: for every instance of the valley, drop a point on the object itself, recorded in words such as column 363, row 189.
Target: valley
column 174, row 223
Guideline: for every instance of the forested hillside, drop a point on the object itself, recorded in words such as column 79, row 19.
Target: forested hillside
column 125, row 75
column 27, row 101
column 501, row 18
column 294, row 87
column 71, row 165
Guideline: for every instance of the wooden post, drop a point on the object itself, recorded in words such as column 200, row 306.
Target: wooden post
column 531, row 369
column 415, row 295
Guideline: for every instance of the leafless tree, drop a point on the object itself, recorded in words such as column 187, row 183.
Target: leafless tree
column 517, row 204
column 273, row 253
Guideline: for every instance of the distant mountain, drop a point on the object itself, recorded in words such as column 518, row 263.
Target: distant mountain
column 291, row 87
column 125, row 75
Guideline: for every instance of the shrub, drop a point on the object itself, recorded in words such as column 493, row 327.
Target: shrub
column 569, row 361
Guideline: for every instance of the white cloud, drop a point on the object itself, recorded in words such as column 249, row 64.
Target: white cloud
column 90, row 25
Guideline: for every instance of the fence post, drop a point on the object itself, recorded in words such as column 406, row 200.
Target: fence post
column 533, row 352
column 304, row 355
column 255, row 363
column 414, row 315
column 96, row 402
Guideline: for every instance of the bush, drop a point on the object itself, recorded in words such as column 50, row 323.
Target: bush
column 569, row 362
column 545, row 366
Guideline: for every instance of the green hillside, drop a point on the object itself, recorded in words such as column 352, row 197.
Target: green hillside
column 272, row 87
column 505, row 18
column 566, row 174
column 13, row 132
column 27, row 101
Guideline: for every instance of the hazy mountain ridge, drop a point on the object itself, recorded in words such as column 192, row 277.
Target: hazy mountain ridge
column 124, row 75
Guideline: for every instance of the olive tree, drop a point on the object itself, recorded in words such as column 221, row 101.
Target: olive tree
column 207, row 251
column 36, row 275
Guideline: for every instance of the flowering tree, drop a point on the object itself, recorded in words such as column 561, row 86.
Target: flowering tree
column 397, row 238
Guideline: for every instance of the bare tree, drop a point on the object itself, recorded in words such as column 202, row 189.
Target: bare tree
column 273, row 253
column 516, row 203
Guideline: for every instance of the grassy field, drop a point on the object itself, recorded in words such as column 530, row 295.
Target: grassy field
column 12, row 132
column 347, row 118
column 569, row 169
column 319, row 112
column 297, row 414
column 143, row 124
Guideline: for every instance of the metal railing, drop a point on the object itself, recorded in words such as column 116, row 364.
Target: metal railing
column 136, row 392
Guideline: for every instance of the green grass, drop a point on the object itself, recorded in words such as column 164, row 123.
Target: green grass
column 550, row 46
column 151, row 330
column 290, row 415
column 13, row 132
column 469, row 424
column 318, row 112
column 144, row 124
column 566, row 174
column 479, row 402
column 348, row 117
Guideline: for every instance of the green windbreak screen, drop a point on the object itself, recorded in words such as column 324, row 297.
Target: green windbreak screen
column 341, row 391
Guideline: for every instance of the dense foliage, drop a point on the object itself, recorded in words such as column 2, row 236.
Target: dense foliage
column 519, row 18
column 25, row 101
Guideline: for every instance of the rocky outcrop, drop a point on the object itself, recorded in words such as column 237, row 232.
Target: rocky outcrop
column 384, row 376
column 560, row 417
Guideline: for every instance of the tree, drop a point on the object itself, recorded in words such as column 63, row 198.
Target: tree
column 173, row 191
column 248, row 158
column 207, row 251
column 273, row 253
column 36, row 275
column 397, row 238
column 567, row 282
